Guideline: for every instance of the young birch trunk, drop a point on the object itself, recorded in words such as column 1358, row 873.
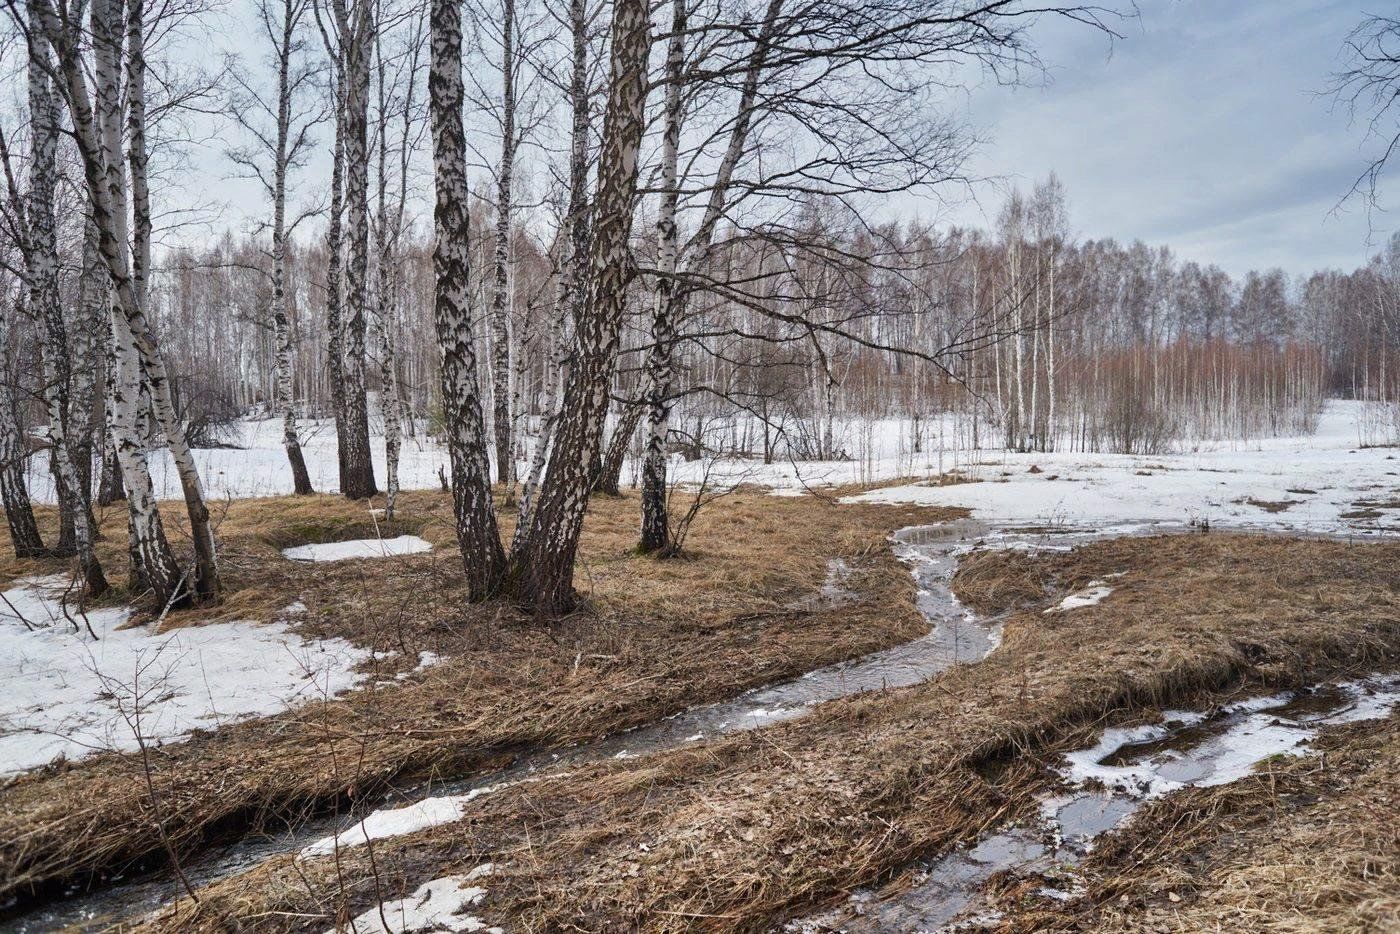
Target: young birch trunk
column 390, row 404
column 358, row 481
column 555, row 362
column 14, row 493
column 335, row 349
column 89, row 349
column 206, row 573
column 655, row 517
column 519, row 379
column 609, row 474
column 500, row 313
column 477, row 535
column 381, row 322
column 42, row 260
column 656, row 525
column 543, row 572
column 281, row 326
column 97, row 305
column 572, row 267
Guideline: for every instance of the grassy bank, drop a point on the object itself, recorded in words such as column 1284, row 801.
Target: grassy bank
column 744, row 832
column 653, row 638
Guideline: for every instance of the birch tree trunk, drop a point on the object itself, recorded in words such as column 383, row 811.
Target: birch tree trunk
column 335, row 349
column 572, row 266
column 281, row 327
column 42, row 262
column 357, row 37
column 609, row 478
column 477, row 534
column 98, row 136
column 89, row 347
column 542, row 573
column 14, row 493
column 206, row 573
column 656, row 526
column 500, row 293
column 670, row 300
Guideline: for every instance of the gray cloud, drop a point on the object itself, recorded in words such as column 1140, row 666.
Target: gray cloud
column 1206, row 127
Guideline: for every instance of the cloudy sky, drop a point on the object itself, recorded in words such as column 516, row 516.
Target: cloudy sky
column 1206, row 127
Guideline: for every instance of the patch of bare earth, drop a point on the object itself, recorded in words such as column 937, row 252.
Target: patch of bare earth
column 653, row 638
column 747, row 831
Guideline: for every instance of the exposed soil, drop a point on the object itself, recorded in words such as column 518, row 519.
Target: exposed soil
column 654, row 638
column 746, row 832
column 1271, row 506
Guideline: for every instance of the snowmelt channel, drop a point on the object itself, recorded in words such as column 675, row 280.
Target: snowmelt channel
column 1109, row 782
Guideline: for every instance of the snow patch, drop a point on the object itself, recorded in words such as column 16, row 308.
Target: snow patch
column 411, row 818
column 359, row 548
column 433, row 906
column 78, row 684
column 1089, row 596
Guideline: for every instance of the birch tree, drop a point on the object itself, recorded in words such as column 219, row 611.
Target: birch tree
column 14, row 491
column 280, row 128
column 355, row 28
column 500, row 291
column 571, row 268
column 477, row 534
column 41, row 260
column 542, row 567
column 97, row 132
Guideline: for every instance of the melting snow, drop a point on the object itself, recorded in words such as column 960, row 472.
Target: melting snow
column 359, row 548
column 433, row 906
column 1089, row 596
column 411, row 818
column 1228, row 756
column 1219, row 485
column 68, row 694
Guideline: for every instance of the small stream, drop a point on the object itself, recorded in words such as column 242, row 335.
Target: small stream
column 956, row 635
column 1108, row 783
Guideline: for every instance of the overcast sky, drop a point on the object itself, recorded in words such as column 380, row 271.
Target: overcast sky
column 1206, row 127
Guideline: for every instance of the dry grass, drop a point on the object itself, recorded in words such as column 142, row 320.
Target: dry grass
column 743, row 832
column 653, row 639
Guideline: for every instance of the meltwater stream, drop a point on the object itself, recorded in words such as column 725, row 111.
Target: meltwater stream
column 957, row 635
column 1108, row 783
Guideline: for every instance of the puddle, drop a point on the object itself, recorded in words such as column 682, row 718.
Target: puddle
column 1110, row 782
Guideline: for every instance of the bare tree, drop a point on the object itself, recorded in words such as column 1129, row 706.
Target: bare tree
column 138, row 361
column 355, row 29
column 14, row 493
column 543, row 565
column 41, row 260
column 280, row 128
column 477, row 533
